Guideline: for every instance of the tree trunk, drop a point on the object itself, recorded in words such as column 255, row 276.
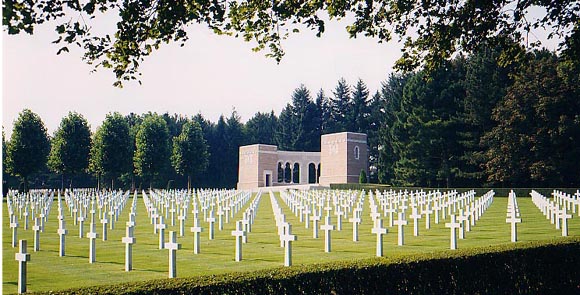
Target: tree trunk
column 188, row 182
column 62, row 181
column 98, row 182
column 113, row 183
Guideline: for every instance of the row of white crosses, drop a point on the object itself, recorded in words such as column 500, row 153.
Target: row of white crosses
column 463, row 210
column 209, row 202
column 36, row 204
column 513, row 215
column 129, row 238
column 39, row 203
column 314, row 205
column 284, row 230
column 552, row 210
column 78, row 202
column 159, row 227
column 101, row 205
column 378, row 228
column 204, row 204
column 244, row 226
column 105, row 206
column 480, row 205
column 569, row 201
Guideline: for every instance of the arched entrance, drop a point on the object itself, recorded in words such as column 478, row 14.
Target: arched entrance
column 287, row 173
column 296, row 173
column 280, row 173
column 311, row 173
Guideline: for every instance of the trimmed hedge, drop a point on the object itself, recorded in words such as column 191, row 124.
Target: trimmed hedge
column 546, row 267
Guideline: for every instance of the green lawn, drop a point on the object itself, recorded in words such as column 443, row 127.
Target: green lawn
column 48, row 271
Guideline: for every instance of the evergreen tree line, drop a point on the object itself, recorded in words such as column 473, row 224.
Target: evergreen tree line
column 480, row 121
column 475, row 121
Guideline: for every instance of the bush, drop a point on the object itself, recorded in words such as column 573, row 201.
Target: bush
column 362, row 177
column 548, row 267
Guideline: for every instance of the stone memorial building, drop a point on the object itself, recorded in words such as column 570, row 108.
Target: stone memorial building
column 341, row 158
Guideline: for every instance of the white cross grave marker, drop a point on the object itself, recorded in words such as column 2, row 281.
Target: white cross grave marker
column 161, row 229
column 154, row 217
column 327, row 228
column 288, row 238
column 453, row 225
column 415, row 216
column 564, row 225
column 238, row 233
column 355, row 222
column 173, row 246
column 81, row 223
column 62, row 232
column 36, row 229
column 25, row 214
column 211, row 221
column 104, row 221
column 338, row 214
column 14, row 226
column 92, row 235
column 463, row 219
column 129, row 240
column 400, row 223
column 513, row 220
column 181, row 218
column 315, row 218
column 391, row 210
column 379, row 230
column 196, row 230
column 22, row 257
column 220, row 214
column 131, row 221
column 112, row 218
column 427, row 213
column 307, row 216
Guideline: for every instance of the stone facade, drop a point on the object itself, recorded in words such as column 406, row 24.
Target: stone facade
column 342, row 157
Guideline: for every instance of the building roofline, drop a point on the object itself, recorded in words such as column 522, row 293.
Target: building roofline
column 259, row 144
column 357, row 133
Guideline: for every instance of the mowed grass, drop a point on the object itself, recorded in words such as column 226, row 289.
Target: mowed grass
column 47, row 271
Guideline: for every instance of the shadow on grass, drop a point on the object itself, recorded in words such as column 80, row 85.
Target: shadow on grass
column 112, row 262
column 76, row 256
column 150, row 270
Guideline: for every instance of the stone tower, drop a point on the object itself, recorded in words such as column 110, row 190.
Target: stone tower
column 342, row 157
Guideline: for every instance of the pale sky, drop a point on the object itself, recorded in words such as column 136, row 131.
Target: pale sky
column 210, row 75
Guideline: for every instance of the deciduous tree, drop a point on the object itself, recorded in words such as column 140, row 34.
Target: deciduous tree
column 112, row 149
column 28, row 148
column 71, row 145
column 152, row 148
column 190, row 154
